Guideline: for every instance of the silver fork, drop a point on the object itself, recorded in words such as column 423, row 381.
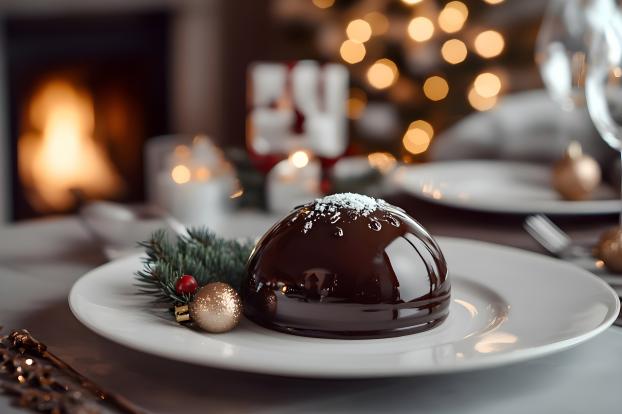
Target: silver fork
column 559, row 244
column 553, row 239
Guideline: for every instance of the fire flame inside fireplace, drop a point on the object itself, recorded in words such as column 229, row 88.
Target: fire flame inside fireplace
column 58, row 153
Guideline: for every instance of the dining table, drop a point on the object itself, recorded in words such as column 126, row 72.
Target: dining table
column 41, row 259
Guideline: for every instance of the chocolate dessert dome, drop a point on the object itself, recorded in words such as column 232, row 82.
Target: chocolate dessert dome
column 347, row 266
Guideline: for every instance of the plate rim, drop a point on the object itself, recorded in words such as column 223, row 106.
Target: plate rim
column 491, row 361
column 555, row 207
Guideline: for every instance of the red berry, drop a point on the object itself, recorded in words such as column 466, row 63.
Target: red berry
column 186, row 284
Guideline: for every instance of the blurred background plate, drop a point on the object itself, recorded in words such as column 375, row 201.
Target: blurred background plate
column 499, row 187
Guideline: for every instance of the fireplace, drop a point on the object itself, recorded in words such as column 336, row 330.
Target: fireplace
column 83, row 95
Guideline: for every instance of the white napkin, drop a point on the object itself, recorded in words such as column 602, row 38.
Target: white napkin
column 523, row 126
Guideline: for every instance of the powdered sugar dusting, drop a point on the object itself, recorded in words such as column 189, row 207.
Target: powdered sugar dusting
column 356, row 205
column 307, row 226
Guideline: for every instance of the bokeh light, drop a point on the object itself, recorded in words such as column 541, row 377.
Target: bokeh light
column 382, row 74
column 181, row 174
column 479, row 102
column 418, row 137
column 494, row 1
column 299, row 159
column 202, row 174
column 420, row 29
column 379, row 23
column 435, row 88
column 411, row 2
column 323, row 4
column 382, row 161
column 453, row 16
column 454, row 51
column 352, row 52
column 489, row 44
column 460, row 6
column 487, row 85
column 423, row 125
column 359, row 31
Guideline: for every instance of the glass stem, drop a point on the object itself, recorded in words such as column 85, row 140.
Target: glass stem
column 565, row 132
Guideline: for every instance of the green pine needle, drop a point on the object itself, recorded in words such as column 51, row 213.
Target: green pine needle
column 202, row 254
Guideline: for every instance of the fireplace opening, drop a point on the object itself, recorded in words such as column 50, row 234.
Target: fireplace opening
column 58, row 156
column 84, row 94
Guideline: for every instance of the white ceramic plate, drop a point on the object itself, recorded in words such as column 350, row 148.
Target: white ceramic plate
column 497, row 186
column 507, row 305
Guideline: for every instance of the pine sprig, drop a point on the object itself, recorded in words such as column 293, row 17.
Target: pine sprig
column 202, row 254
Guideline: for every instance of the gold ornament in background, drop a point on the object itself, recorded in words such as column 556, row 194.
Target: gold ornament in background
column 216, row 308
column 576, row 175
column 609, row 249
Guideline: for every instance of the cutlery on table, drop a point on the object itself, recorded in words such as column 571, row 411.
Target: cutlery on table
column 553, row 239
column 559, row 244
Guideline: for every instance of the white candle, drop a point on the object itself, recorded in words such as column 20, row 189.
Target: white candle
column 192, row 181
column 196, row 202
column 292, row 182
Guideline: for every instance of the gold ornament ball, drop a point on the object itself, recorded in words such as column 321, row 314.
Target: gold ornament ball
column 216, row 307
column 609, row 249
column 576, row 175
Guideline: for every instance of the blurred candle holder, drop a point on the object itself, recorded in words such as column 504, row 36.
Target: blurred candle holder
column 190, row 178
column 293, row 181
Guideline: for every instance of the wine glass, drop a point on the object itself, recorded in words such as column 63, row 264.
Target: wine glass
column 561, row 52
column 603, row 87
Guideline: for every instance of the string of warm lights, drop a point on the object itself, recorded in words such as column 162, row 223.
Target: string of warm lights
column 432, row 31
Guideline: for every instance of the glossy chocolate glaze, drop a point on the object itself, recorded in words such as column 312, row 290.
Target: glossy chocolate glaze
column 339, row 274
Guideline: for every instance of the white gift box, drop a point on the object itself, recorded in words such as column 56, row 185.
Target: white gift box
column 318, row 93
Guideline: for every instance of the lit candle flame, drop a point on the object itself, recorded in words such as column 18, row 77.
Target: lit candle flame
column 299, row 159
column 181, row 174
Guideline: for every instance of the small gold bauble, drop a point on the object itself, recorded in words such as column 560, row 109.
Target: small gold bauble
column 609, row 249
column 216, row 307
column 576, row 175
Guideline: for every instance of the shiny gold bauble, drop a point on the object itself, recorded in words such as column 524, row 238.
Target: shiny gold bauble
column 609, row 249
column 576, row 175
column 216, row 308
